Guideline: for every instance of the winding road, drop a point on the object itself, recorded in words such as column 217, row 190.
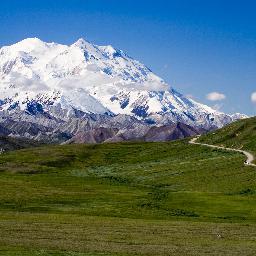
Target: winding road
column 250, row 157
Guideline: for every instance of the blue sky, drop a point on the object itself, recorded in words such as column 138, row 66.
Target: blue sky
column 198, row 47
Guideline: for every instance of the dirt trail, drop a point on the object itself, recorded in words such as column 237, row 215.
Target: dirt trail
column 250, row 157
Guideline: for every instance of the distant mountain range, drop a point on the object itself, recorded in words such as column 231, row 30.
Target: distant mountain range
column 57, row 93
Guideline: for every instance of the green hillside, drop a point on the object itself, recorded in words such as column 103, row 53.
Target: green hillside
column 11, row 143
column 240, row 134
column 127, row 199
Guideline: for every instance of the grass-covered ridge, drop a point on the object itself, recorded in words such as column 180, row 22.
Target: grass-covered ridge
column 12, row 143
column 240, row 134
column 126, row 199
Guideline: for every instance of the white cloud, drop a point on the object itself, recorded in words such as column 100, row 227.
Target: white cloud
column 215, row 96
column 253, row 97
column 27, row 84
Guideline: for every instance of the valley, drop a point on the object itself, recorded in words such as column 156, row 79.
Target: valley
column 127, row 128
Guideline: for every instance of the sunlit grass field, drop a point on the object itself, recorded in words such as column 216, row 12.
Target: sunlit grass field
column 240, row 134
column 127, row 199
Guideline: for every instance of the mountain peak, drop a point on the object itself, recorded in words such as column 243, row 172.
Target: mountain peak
column 31, row 41
column 29, row 44
column 81, row 43
column 92, row 79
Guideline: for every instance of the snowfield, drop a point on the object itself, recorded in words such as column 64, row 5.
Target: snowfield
column 56, row 78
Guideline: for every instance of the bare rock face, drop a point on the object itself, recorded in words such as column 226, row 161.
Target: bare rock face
column 170, row 132
column 143, row 133
column 97, row 135
column 4, row 131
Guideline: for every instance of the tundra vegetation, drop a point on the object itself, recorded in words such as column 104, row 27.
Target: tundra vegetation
column 157, row 198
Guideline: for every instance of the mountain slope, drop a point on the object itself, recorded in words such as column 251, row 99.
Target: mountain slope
column 240, row 134
column 140, row 133
column 54, row 85
column 10, row 144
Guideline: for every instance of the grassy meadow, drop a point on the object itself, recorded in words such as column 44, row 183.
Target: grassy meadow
column 168, row 198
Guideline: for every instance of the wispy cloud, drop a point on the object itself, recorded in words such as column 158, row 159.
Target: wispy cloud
column 215, row 96
column 253, row 97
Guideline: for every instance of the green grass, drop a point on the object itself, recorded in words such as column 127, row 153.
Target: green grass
column 11, row 143
column 54, row 234
column 127, row 199
column 240, row 134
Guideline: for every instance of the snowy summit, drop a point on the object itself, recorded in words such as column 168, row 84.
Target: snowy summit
column 62, row 79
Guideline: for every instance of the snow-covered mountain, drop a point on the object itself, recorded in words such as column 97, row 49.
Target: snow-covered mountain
column 44, row 83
